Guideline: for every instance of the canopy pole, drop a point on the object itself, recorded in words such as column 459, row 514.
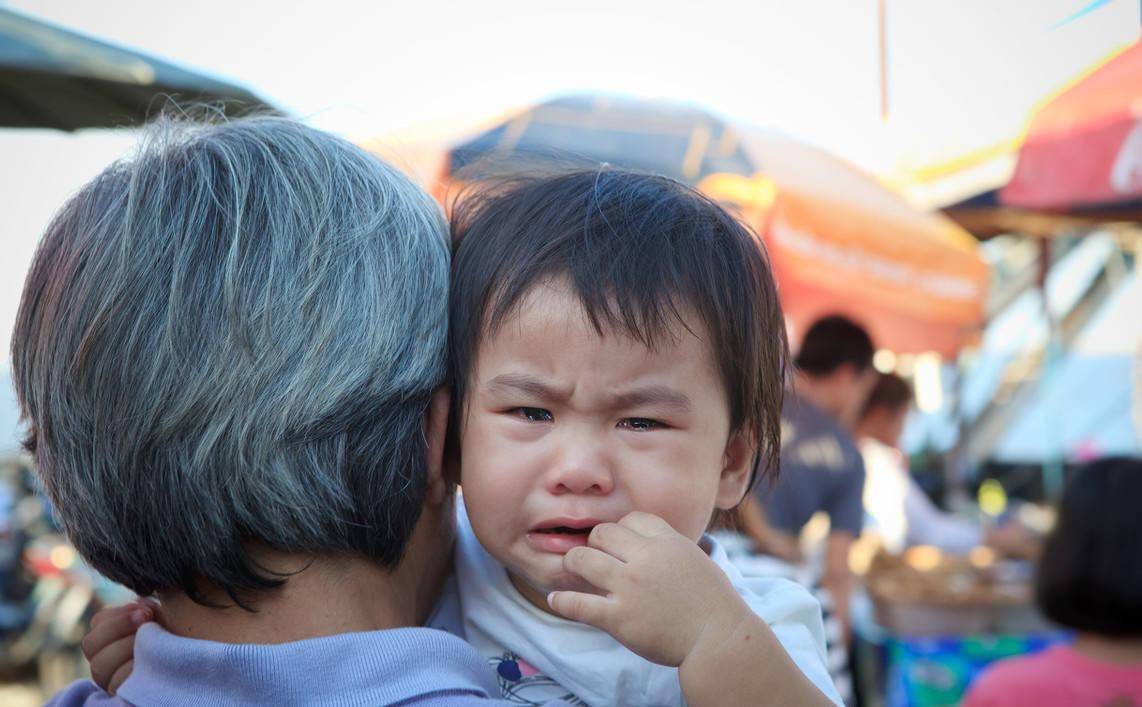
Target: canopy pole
column 1052, row 470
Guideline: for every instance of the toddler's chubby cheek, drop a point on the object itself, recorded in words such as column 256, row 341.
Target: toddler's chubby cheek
column 494, row 530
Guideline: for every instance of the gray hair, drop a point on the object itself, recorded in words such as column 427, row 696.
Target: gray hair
column 230, row 338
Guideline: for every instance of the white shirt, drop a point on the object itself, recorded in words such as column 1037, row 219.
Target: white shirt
column 538, row 656
column 902, row 512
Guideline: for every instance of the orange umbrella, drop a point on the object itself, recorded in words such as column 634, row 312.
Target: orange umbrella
column 1084, row 148
column 839, row 241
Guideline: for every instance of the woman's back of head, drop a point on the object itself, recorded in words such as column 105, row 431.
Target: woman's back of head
column 1090, row 574
column 231, row 338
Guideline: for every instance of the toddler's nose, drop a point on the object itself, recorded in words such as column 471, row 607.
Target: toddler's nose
column 582, row 472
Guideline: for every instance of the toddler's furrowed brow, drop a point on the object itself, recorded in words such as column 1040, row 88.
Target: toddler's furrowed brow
column 658, row 396
column 529, row 385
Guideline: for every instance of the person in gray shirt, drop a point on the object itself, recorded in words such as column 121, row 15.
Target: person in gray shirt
column 822, row 470
column 821, row 467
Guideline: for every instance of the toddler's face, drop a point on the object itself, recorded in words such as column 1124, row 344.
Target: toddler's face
column 566, row 429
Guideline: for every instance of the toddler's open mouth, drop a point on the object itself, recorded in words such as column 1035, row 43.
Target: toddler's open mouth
column 560, row 535
column 565, row 530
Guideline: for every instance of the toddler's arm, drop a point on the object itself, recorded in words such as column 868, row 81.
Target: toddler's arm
column 667, row 601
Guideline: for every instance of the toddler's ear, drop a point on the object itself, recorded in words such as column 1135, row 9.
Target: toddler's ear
column 737, row 465
column 452, row 464
column 435, row 436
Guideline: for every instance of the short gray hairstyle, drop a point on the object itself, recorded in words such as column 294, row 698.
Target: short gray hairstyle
column 232, row 338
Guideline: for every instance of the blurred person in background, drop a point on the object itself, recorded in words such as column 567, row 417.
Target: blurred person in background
column 821, row 472
column 902, row 514
column 1090, row 581
column 821, row 467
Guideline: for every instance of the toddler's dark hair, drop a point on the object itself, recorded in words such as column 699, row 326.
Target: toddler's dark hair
column 640, row 252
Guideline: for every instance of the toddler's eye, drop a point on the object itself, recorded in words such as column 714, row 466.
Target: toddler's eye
column 640, row 424
column 533, row 414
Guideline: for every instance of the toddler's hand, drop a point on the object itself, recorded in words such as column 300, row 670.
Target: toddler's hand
column 110, row 644
column 663, row 596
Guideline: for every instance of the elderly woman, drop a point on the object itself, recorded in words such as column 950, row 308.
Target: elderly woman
column 228, row 354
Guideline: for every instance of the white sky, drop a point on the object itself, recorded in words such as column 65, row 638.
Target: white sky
column 962, row 73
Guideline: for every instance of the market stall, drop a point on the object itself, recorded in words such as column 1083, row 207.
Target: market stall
column 945, row 618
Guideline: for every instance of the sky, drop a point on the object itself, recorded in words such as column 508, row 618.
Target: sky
column 958, row 71
column 962, row 75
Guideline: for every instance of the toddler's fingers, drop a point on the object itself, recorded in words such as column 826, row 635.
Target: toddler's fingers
column 615, row 540
column 149, row 603
column 114, row 626
column 155, row 608
column 595, row 566
column 645, row 523
column 121, row 676
column 108, row 661
column 579, row 606
column 110, row 611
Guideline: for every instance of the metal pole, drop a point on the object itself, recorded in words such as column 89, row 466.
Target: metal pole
column 1052, row 471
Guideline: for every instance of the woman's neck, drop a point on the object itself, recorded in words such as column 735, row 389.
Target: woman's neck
column 1124, row 651
column 327, row 596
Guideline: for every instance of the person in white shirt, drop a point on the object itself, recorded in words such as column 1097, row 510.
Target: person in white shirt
column 903, row 515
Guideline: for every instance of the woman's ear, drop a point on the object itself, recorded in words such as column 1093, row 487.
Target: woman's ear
column 737, row 467
column 435, row 437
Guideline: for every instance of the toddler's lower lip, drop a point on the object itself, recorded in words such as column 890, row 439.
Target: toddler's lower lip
column 558, row 543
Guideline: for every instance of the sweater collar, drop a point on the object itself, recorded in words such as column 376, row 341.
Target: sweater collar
column 369, row 668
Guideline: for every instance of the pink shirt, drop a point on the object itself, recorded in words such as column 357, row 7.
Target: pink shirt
column 1058, row 677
